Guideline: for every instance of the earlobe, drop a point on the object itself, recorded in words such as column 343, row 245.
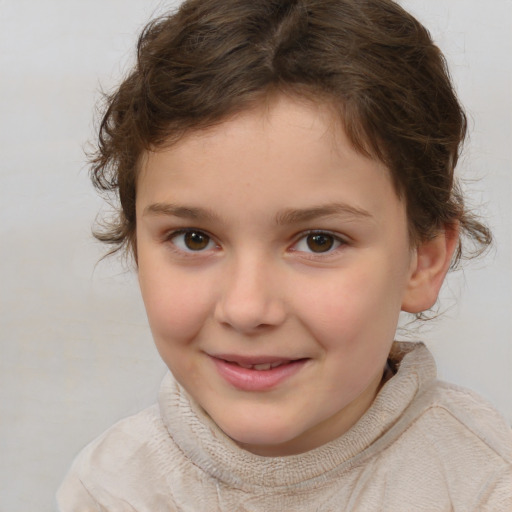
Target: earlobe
column 430, row 263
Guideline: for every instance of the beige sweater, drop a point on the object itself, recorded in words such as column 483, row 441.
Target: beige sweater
column 422, row 446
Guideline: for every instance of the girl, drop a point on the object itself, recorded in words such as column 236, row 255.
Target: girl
column 285, row 172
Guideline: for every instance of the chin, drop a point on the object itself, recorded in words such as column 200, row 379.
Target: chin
column 264, row 438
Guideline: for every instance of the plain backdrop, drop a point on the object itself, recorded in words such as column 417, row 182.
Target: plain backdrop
column 76, row 353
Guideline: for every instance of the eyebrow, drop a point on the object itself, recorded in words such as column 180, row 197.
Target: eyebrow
column 183, row 212
column 284, row 217
column 296, row 216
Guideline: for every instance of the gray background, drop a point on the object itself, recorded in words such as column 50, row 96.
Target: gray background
column 75, row 351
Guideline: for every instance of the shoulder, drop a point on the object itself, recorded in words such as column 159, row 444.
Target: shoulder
column 131, row 438
column 438, row 410
column 467, row 443
column 449, row 443
column 459, row 413
column 134, row 448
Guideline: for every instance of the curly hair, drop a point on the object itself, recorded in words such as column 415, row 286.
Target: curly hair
column 373, row 62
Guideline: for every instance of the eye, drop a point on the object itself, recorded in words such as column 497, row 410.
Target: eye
column 192, row 241
column 318, row 242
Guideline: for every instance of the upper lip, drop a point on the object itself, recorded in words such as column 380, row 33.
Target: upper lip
column 254, row 360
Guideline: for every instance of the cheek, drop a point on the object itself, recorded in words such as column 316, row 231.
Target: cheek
column 347, row 309
column 177, row 305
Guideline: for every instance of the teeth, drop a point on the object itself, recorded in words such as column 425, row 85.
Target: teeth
column 263, row 366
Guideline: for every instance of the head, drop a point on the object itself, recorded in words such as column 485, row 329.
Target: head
column 354, row 85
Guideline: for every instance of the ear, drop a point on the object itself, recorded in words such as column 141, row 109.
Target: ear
column 430, row 263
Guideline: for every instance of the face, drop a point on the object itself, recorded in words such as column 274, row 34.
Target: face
column 273, row 262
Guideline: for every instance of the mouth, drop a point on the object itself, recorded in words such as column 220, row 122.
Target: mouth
column 256, row 373
column 263, row 362
column 262, row 366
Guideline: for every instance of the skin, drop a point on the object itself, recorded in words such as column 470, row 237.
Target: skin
column 256, row 185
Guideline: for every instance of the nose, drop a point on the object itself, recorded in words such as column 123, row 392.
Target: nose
column 252, row 298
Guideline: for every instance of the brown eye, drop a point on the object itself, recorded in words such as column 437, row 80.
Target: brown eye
column 320, row 242
column 190, row 240
column 195, row 240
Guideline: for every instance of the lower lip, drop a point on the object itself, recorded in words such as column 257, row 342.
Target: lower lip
column 247, row 379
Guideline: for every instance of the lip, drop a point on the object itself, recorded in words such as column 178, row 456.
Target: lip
column 248, row 379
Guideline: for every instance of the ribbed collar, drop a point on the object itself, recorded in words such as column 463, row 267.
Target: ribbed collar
column 206, row 446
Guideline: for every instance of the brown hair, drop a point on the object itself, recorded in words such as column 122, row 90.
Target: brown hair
column 369, row 59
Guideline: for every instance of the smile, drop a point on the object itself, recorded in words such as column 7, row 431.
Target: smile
column 256, row 374
column 263, row 366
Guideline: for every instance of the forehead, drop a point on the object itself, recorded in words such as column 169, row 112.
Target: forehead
column 288, row 152
column 290, row 113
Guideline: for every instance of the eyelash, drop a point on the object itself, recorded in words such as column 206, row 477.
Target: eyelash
column 302, row 237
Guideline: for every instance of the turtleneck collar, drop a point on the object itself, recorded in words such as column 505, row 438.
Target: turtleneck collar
column 207, row 447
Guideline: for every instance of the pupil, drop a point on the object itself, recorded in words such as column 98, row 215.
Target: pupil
column 320, row 243
column 196, row 241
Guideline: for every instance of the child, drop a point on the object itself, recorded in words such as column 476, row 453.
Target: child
column 285, row 171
